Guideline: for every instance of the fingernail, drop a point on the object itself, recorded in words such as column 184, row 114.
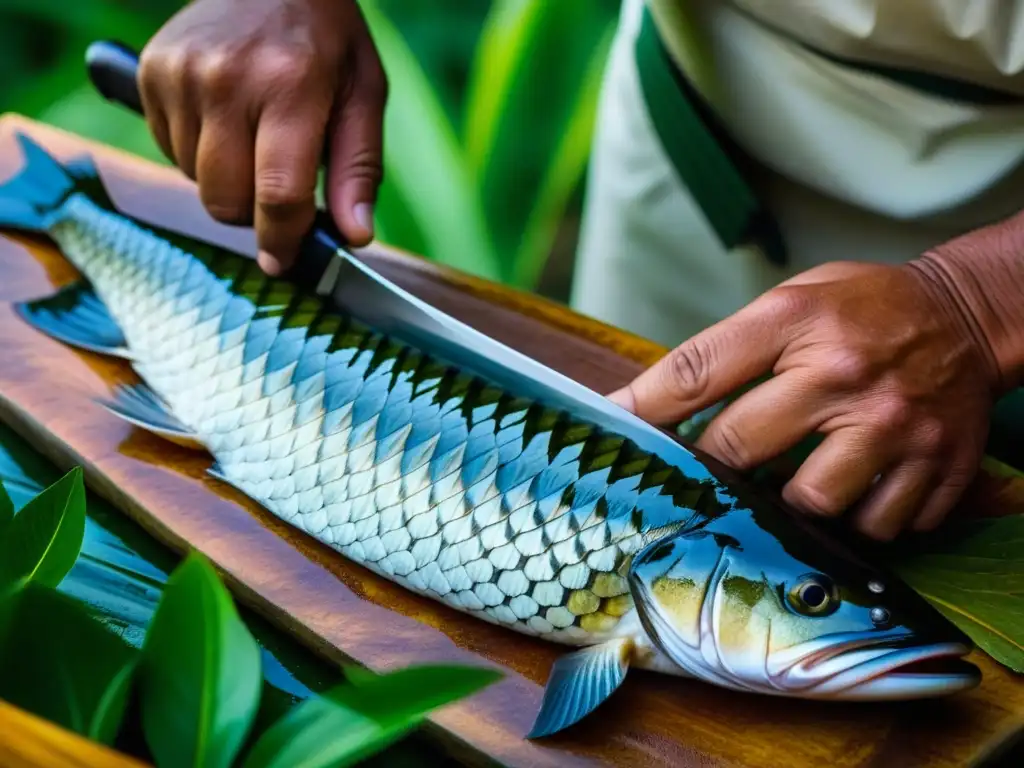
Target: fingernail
column 363, row 213
column 268, row 263
column 623, row 398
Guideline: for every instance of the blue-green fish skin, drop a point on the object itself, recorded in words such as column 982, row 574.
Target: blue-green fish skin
column 452, row 486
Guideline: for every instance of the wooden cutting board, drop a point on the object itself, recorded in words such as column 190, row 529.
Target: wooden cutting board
column 347, row 613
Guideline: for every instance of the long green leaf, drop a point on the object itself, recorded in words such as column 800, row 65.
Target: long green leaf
column 973, row 573
column 423, row 159
column 42, row 542
column 568, row 162
column 6, row 509
column 201, row 673
column 362, row 717
column 530, row 107
column 61, row 663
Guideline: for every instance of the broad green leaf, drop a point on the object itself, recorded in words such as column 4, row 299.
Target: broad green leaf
column 43, row 540
column 6, row 508
column 423, row 160
column 201, row 674
column 529, row 116
column 59, row 662
column 973, row 573
column 362, row 717
column 568, row 161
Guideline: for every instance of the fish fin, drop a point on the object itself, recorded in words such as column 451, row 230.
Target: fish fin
column 140, row 405
column 76, row 316
column 579, row 683
column 86, row 176
column 216, row 471
column 39, row 188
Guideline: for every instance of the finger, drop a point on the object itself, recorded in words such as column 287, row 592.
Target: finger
column 148, row 82
column 714, row 363
column 767, row 421
column 894, row 500
column 225, row 167
column 182, row 122
column 837, row 473
column 941, row 501
column 355, row 168
column 289, row 142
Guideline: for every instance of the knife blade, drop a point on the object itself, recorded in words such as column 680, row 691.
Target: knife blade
column 356, row 288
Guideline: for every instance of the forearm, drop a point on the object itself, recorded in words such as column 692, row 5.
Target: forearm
column 981, row 274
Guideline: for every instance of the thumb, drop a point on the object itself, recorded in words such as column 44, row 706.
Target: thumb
column 355, row 166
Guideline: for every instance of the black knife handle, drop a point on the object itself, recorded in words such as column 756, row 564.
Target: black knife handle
column 113, row 69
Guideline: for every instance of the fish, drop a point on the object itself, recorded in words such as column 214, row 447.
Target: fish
column 583, row 527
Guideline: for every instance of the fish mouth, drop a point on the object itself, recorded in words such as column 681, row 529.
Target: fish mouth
column 888, row 668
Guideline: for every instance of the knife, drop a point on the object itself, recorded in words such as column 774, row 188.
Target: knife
column 360, row 291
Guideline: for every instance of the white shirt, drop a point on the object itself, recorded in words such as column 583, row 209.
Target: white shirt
column 856, row 135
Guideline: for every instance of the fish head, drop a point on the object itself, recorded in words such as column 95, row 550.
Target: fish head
column 756, row 601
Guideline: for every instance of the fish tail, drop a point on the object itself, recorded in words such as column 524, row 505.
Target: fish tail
column 30, row 199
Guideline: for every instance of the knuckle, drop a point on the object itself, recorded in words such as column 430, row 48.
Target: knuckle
column 731, row 446
column 932, row 435
column 851, row 367
column 173, row 63
column 278, row 190
column 219, row 71
column 687, row 373
column 365, row 164
column 893, row 412
column 284, row 66
column 788, row 301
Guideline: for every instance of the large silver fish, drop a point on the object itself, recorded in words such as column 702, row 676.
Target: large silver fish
column 581, row 525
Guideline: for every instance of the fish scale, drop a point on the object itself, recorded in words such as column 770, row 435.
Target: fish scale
column 421, row 472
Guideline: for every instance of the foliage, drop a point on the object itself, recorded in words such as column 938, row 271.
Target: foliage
column 42, row 543
column 487, row 132
column 196, row 679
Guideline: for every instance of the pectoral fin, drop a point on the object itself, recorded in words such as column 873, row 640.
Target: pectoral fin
column 139, row 405
column 76, row 316
column 579, row 683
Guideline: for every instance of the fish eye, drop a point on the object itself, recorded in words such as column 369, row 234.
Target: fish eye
column 814, row 595
column 880, row 616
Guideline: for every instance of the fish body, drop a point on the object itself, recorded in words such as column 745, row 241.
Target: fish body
column 458, row 487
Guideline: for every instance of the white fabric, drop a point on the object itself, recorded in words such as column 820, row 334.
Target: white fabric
column 852, row 183
column 858, row 136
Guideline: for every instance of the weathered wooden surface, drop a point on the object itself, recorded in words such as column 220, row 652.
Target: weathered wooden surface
column 346, row 612
column 27, row 741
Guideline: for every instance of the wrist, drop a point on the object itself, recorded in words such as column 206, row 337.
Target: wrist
column 981, row 277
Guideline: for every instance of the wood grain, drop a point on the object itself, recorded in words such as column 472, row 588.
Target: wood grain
column 27, row 741
column 347, row 613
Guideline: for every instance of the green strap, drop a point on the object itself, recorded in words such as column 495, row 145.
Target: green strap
column 710, row 164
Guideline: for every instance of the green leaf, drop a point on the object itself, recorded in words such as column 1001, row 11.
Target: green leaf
column 565, row 170
column 362, row 717
column 6, row 508
column 973, row 573
column 61, row 663
column 423, row 160
column 42, row 542
column 201, row 676
column 538, row 65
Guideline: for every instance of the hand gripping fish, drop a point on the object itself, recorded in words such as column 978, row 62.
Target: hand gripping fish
column 468, row 473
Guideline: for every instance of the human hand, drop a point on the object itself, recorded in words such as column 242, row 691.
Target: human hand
column 885, row 361
column 244, row 96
